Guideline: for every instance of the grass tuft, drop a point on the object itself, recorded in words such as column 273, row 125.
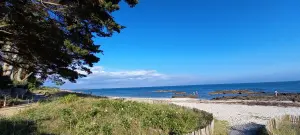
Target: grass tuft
column 286, row 126
column 221, row 127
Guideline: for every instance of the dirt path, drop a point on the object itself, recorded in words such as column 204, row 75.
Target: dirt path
column 9, row 111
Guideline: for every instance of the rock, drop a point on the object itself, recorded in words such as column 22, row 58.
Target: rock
column 233, row 92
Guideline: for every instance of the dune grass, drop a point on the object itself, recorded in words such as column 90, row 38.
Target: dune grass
column 286, row 127
column 221, row 127
column 71, row 115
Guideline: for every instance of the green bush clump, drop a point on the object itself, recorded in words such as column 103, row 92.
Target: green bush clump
column 69, row 98
column 73, row 115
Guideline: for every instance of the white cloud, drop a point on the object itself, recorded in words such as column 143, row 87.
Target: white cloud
column 99, row 72
column 102, row 78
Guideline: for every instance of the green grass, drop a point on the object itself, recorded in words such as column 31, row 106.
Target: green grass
column 221, row 127
column 46, row 91
column 286, row 127
column 72, row 115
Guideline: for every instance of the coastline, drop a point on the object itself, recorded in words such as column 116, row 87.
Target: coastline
column 229, row 100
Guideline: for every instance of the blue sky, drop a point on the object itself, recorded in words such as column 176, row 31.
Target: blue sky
column 173, row 42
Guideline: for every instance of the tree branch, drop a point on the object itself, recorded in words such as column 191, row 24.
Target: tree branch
column 50, row 3
column 3, row 31
column 4, row 25
column 28, row 75
column 12, row 52
column 12, row 63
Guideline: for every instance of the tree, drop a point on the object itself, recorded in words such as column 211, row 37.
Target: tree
column 53, row 38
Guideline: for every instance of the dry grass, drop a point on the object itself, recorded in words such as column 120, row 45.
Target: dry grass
column 287, row 125
column 221, row 127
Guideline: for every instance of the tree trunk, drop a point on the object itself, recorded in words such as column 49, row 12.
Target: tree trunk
column 16, row 74
column 7, row 69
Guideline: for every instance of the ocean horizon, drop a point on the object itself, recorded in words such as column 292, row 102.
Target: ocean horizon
column 203, row 90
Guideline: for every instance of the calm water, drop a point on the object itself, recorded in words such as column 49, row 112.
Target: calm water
column 203, row 90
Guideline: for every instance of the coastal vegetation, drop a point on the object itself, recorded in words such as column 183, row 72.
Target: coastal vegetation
column 76, row 115
column 221, row 127
column 285, row 125
column 47, row 91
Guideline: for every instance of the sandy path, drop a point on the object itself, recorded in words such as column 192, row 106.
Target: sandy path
column 9, row 111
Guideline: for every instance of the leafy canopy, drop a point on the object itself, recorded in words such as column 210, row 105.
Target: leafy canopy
column 53, row 38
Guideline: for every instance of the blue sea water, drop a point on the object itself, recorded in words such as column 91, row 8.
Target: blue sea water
column 203, row 90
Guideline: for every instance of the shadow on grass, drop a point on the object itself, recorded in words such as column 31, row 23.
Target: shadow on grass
column 18, row 127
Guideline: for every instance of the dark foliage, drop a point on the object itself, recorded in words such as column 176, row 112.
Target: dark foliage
column 17, row 127
column 53, row 38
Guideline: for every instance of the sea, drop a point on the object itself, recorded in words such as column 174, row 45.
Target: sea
column 202, row 90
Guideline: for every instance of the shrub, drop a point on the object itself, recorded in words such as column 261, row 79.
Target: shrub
column 69, row 98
